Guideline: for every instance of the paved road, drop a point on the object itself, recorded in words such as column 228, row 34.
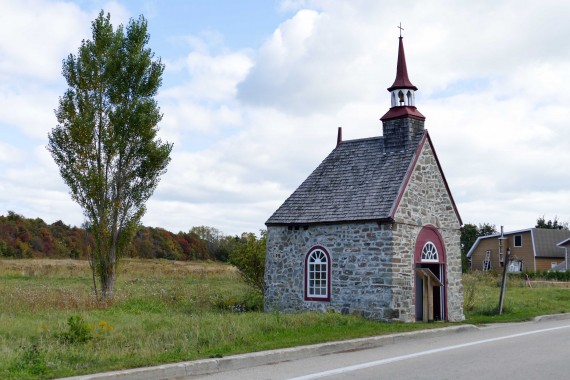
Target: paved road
column 533, row 350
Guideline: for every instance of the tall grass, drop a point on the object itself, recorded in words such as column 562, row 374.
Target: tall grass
column 164, row 311
column 522, row 302
column 52, row 326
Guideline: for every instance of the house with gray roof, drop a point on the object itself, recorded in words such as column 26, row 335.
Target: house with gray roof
column 374, row 229
column 564, row 265
column 530, row 250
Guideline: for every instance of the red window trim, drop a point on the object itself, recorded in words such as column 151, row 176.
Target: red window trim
column 430, row 233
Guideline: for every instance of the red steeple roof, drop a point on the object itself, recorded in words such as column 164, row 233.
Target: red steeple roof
column 401, row 110
column 402, row 80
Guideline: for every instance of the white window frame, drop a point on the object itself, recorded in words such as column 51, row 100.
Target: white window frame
column 515, row 241
column 429, row 253
column 317, row 275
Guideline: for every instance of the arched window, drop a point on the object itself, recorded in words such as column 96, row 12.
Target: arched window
column 317, row 275
column 429, row 253
column 409, row 98
column 401, row 97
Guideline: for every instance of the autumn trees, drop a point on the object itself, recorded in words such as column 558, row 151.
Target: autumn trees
column 105, row 143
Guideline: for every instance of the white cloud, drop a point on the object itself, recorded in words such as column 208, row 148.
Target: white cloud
column 213, row 78
column 40, row 35
column 9, row 153
column 204, row 103
column 310, row 64
column 247, row 174
column 249, row 126
column 29, row 108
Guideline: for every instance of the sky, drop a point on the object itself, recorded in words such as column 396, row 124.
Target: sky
column 254, row 91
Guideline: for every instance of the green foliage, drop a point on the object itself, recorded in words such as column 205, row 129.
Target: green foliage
column 248, row 301
column 546, row 275
column 217, row 244
column 487, row 229
column 248, row 255
column 3, row 249
column 30, row 361
column 106, row 144
column 78, row 331
column 142, row 305
column 555, row 224
column 470, row 289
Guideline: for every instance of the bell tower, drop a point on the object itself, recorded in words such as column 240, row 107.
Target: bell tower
column 403, row 121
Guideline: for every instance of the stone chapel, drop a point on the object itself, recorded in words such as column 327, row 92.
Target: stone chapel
column 374, row 229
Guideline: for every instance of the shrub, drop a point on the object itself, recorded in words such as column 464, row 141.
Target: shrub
column 248, row 256
column 78, row 331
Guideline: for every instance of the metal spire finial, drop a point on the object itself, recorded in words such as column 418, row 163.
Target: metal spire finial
column 400, row 27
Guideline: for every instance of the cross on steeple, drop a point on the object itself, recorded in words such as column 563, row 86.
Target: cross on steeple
column 400, row 27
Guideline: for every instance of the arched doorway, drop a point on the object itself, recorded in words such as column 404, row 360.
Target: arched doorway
column 429, row 256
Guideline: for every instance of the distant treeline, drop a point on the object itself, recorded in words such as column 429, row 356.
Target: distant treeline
column 22, row 237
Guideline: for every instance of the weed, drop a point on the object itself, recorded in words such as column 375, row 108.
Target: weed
column 247, row 301
column 470, row 285
column 78, row 331
column 31, row 360
column 102, row 329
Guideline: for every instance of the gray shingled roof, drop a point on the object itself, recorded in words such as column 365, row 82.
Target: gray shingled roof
column 358, row 180
column 545, row 241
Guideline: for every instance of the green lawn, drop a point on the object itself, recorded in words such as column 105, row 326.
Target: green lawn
column 521, row 303
column 51, row 325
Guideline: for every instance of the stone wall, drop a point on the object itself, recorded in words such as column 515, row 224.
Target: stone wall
column 400, row 133
column 372, row 270
column 426, row 202
column 364, row 269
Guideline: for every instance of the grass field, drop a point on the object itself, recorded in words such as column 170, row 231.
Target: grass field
column 523, row 301
column 164, row 311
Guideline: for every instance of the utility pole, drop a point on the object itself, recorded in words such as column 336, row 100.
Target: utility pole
column 505, row 266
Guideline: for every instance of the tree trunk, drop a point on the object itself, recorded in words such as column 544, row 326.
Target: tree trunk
column 107, row 277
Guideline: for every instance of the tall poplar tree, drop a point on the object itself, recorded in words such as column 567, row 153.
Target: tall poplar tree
column 105, row 143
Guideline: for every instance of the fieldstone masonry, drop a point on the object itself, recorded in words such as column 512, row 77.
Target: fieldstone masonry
column 426, row 201
column 400, row 133
column 372, row 270
column 361, row 268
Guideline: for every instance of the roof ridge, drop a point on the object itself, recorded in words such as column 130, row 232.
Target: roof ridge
column 363, row 139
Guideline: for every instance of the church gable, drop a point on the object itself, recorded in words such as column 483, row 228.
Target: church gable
column 425, row 197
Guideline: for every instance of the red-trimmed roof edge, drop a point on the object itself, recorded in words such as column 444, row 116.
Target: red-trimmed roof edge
column 403, row 111
column 404, row 185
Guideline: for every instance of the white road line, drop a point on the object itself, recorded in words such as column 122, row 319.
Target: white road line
column 357, row 367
